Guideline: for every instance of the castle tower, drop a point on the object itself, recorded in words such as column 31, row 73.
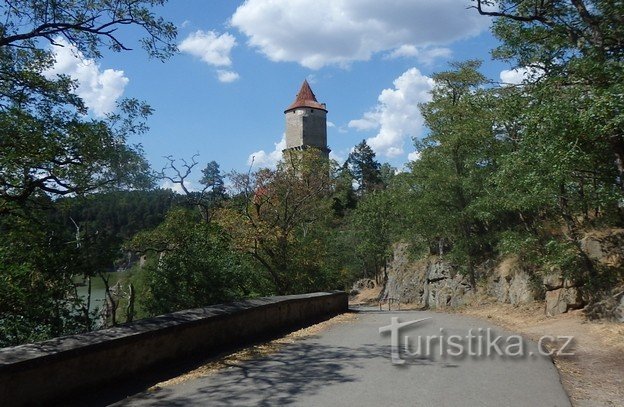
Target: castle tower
column 306, row 122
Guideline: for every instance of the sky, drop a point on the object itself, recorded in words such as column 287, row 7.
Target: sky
column 241, row 64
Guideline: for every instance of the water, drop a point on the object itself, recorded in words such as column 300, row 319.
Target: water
column 98, row 290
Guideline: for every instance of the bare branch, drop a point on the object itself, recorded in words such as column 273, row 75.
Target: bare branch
column 539, row 13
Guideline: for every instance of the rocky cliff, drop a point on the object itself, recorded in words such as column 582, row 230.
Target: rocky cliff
column 433, row 282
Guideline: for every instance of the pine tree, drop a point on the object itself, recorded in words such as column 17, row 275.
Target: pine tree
column 365, row 169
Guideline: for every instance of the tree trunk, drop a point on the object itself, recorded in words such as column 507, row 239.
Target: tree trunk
column 573, row 233
column 130, row 307
column 471, row 275
column 88, row 306
column 617, row 145
column 111, row 305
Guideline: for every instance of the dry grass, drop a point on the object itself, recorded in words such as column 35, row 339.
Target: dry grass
column 368, row 296
column 253, row 352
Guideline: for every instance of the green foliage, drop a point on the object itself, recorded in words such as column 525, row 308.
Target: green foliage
column 456, row 159
column 108, row 219
column 213, row 179
column 520, row 170
column 371, row 227
column 37, row 294
column 576, row 50
column 42, row 257
column 50, row 147
column 364, row 168
column 564, row 164
column 282, row 221
column 88, row 24
column 193, row 266
column 344, row 197
column 59, row 153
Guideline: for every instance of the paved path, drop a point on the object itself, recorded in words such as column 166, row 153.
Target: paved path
column 350, row 365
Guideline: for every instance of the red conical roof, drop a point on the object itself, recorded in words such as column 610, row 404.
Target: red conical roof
column 306, row 98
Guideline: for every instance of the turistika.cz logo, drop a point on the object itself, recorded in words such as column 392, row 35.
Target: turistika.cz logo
column 476, row 343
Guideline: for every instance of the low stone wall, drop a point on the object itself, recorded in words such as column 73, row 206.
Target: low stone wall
column 57, row 368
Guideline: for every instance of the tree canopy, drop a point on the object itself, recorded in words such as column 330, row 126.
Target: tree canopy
column 50, row 147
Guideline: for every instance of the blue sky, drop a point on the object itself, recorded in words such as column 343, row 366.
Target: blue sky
column 242, row 63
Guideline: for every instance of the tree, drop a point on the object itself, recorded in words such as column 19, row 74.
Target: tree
column 58, row 154
column 38, row 259
column 281, row 221
column 50, row 147
column 213, row 179
column 192, row 265
column 571, row 120
column 387, row 173
column 344, row 197
column 577, row 47
column 364, row 168
column 371, row 227
column 206, row 199
column 456, row 159
column 86, row 24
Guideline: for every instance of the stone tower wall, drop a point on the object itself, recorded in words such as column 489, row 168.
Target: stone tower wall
column 306, row 127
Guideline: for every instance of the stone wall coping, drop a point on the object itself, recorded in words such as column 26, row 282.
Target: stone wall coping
column 24, row 356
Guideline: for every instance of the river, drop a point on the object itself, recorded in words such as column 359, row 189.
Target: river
column 98, row 290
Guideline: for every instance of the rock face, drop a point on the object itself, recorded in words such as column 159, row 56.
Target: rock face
column 362, row 284
column 611, row 308
column 430, row 282
column 606, row 247
column 562, row 300
column 562, row 295
column 406, row 279
column 509, row 283
column 435, row 283
column 444, row 287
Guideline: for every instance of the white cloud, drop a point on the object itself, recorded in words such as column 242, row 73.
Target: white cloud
column 519, row 75
column 227, row 76
column 405, row 50
column 414, row 156
column 212, row 48
column 369, row 121
column 263, row 159
column 176, row 187
column 426, row 56
column 98, row 89
column 338, row 156
column 397, row 115
column 339, row 32
column 330, row 124
column 429, row 55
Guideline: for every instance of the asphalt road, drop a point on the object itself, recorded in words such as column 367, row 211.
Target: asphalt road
column 350, row 365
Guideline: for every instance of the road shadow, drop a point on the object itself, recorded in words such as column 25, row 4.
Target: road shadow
column 280, row 379
column 375, row 310
column 119, row 389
